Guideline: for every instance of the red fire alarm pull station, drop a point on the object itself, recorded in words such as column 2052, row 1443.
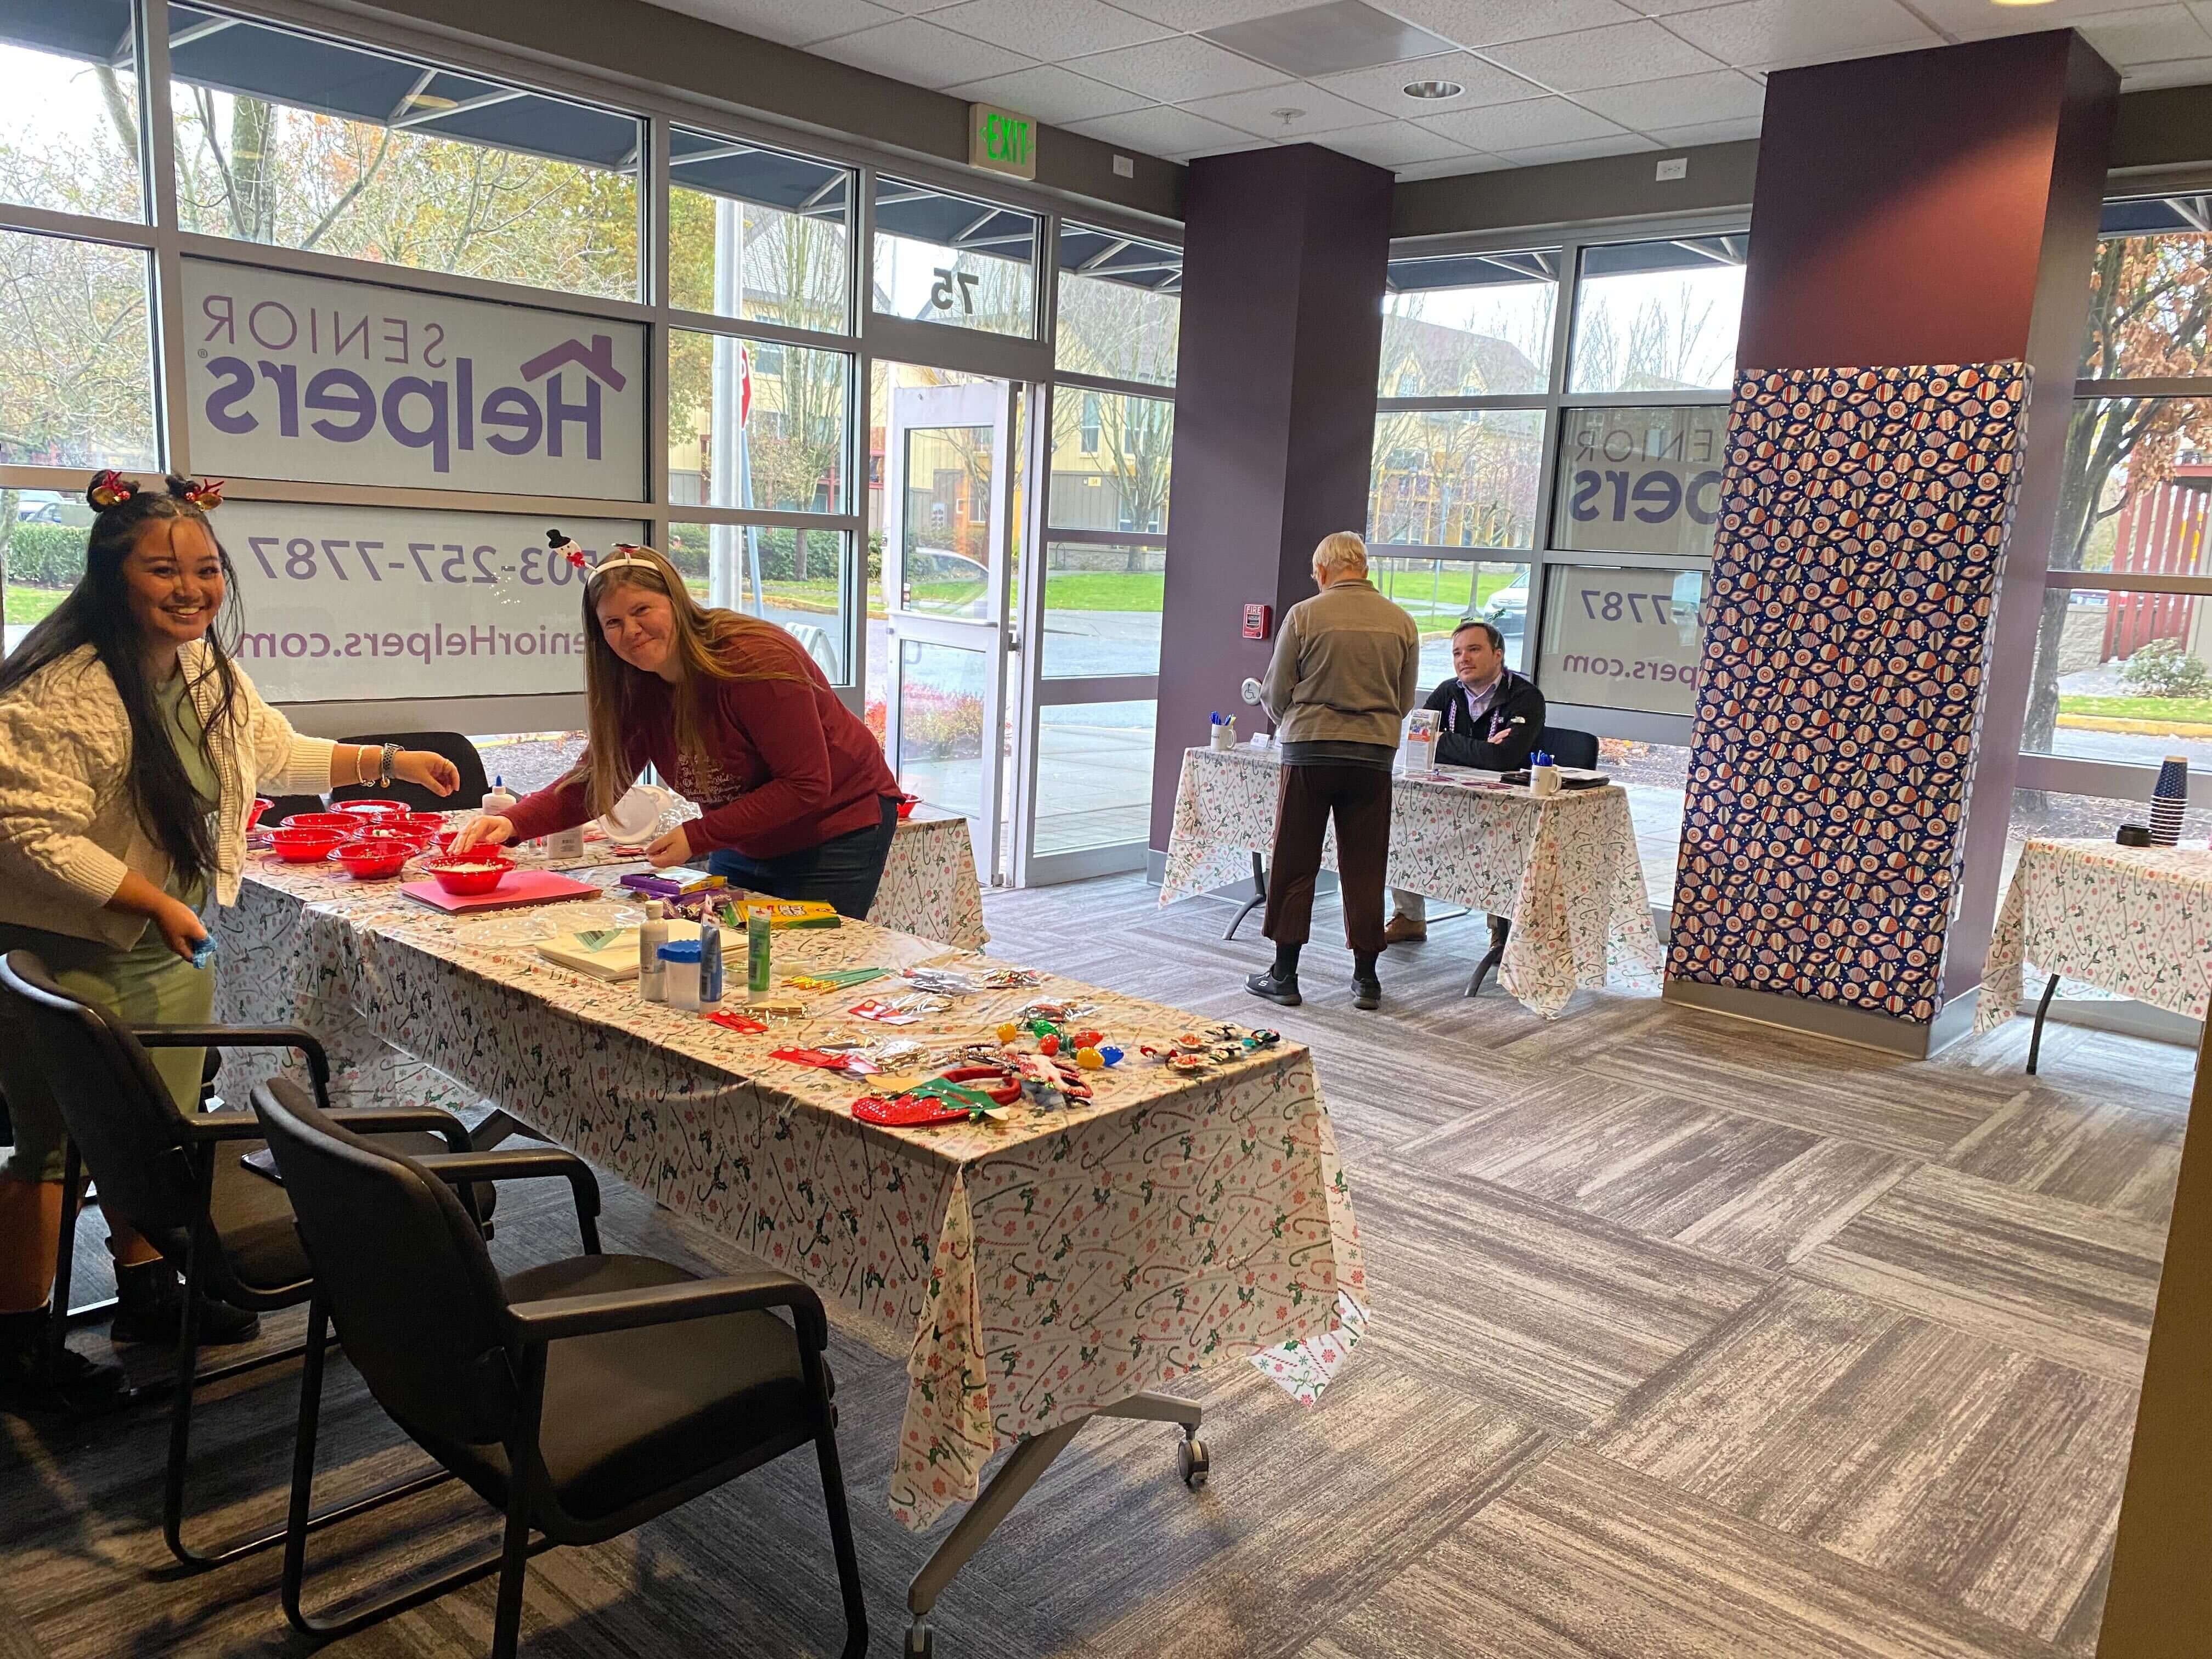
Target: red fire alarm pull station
column 1258, row 620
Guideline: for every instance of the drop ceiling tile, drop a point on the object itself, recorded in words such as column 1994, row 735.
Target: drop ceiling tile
column 1974, row 18
column 2203, row 8
column 1475, row 163
column 2149, row 34
column 2195, row 72
column 1780, row 33
column 1396, row 144
column 1613, row 57
column 1720, row 95
column 1488, row 22
column 1261, row 113
column 786, row 22
column 921, row 53
column 1521, row 126
column 910, row 7
column 1051, row 93
column 1581, row 150
column 1705, row 132
column 1176, row 69
column 1668, row 8
column 1048, row 30
column 1383, row 88
column 1165, row 132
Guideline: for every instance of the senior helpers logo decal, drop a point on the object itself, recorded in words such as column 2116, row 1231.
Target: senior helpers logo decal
column 1862, row 530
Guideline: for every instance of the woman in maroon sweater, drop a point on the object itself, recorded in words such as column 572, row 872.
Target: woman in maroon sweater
column 795, row 799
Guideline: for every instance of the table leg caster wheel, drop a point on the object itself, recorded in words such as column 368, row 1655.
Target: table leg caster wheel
column 1193, row 1462
column 920, row 1642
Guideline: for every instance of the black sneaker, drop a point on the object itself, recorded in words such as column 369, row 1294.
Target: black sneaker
column 151, row 1307
column 74, row 1385
column 1367, row 992
column 1283, row 989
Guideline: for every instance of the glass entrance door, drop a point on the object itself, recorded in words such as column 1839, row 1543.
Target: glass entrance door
column 948, row 465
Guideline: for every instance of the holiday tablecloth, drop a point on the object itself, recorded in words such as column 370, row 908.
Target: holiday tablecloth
column 1034, row 1269
column 1565, row 869
column 2133, row 920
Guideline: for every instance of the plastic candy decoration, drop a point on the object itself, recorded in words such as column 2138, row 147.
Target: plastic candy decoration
column 1086, row 1039
column 1047, row 1043
column 1108, row 1054
column 1009, row 1031
column 1089, row 1059
column 109, row 489
column 738, row 1023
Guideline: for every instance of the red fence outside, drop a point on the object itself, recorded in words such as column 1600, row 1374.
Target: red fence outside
column 2160, row 531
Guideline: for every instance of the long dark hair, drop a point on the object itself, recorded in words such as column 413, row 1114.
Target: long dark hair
column 97, row 613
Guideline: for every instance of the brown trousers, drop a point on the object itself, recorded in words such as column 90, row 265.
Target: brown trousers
column 1359, row 797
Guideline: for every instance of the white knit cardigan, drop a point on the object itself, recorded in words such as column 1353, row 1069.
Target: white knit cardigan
column 68, row 831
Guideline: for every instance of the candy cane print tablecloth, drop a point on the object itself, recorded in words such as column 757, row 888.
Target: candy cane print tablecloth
column 2136, row 921
column 1034, row 1269
column 1565, row 869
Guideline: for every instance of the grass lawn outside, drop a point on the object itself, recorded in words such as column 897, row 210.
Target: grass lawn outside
column 31, row 604
column 2191, row 711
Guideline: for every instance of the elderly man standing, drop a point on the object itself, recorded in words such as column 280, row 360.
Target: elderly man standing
column 1346, row 672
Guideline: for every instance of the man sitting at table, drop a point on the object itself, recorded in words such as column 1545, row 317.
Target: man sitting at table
column 1489, row 718
column 1347, row 669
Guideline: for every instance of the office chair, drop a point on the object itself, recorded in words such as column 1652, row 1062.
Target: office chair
column 583, row 1397
column 176, row 1177
column 452, row 744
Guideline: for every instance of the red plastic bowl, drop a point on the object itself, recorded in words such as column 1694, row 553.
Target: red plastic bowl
column 304, row 846
column 261, row 804
column 469, row 873
column 425, row 824
column 906, row 804
column 373, row 808
column 340, row 823
column 365, row 859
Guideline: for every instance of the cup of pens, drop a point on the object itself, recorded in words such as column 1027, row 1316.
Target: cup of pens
column 1224, row 733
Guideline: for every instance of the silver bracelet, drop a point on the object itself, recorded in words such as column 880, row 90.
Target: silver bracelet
column 384, row 765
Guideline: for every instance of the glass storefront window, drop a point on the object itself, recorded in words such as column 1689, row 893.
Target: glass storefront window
column 1441, row 593
column 1622, row 637
column 795, row 577
column 1640, row 480
column 2150, row 301
column 1120, row 306
column 1654, row 776
column 1110, row 461
column 758, row 234
column 42, row 540
column 1658, row 316
column 300, row 142
column 756, row 424
column 950, row 259
column 1101, row 609
column 2122, row 676
column 1470, row 326
column 69, row 128
column 1459, row 477
column 1094, row 781
column 78, row 388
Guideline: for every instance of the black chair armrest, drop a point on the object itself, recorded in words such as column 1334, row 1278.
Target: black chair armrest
column 549, row 1319
column 230, row 1124
column 241, row 1037
column 400, row 1119
column 518, row 1163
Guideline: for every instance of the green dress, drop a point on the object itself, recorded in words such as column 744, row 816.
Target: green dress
column 147, row 984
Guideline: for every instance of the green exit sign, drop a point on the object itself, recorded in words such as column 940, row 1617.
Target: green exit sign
column 1002, row 141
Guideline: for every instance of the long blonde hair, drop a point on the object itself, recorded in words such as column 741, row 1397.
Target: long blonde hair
column 711, row 646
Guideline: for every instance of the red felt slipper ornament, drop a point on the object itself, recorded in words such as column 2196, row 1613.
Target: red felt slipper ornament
column 906, row 1112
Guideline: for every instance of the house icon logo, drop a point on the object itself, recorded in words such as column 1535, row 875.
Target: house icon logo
column 597, row 360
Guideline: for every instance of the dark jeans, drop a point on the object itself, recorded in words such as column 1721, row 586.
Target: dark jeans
column 1358, row 798
column 842, row 872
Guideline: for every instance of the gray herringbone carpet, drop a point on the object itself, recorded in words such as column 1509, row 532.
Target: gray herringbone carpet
column 1690, row 1338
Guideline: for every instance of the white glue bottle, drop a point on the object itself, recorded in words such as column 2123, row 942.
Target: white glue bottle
column 652, row 935
column 499, row 800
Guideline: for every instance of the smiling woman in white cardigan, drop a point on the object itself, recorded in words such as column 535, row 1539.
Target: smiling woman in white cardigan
column 130, row 749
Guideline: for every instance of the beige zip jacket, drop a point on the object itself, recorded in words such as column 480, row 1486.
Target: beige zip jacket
column 68, row 831
column 1346, row 668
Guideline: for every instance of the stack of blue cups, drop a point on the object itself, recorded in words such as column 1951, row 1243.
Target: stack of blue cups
column 2166, row 801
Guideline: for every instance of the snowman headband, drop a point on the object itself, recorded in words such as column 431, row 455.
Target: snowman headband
column 625, row 553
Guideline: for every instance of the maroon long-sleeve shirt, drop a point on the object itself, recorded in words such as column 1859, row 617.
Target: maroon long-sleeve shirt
column 787, row 764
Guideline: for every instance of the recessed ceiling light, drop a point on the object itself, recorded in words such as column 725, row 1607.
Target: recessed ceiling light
column 1433, row 89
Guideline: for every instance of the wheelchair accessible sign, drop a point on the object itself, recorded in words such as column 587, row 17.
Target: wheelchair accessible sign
column 313, row 380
